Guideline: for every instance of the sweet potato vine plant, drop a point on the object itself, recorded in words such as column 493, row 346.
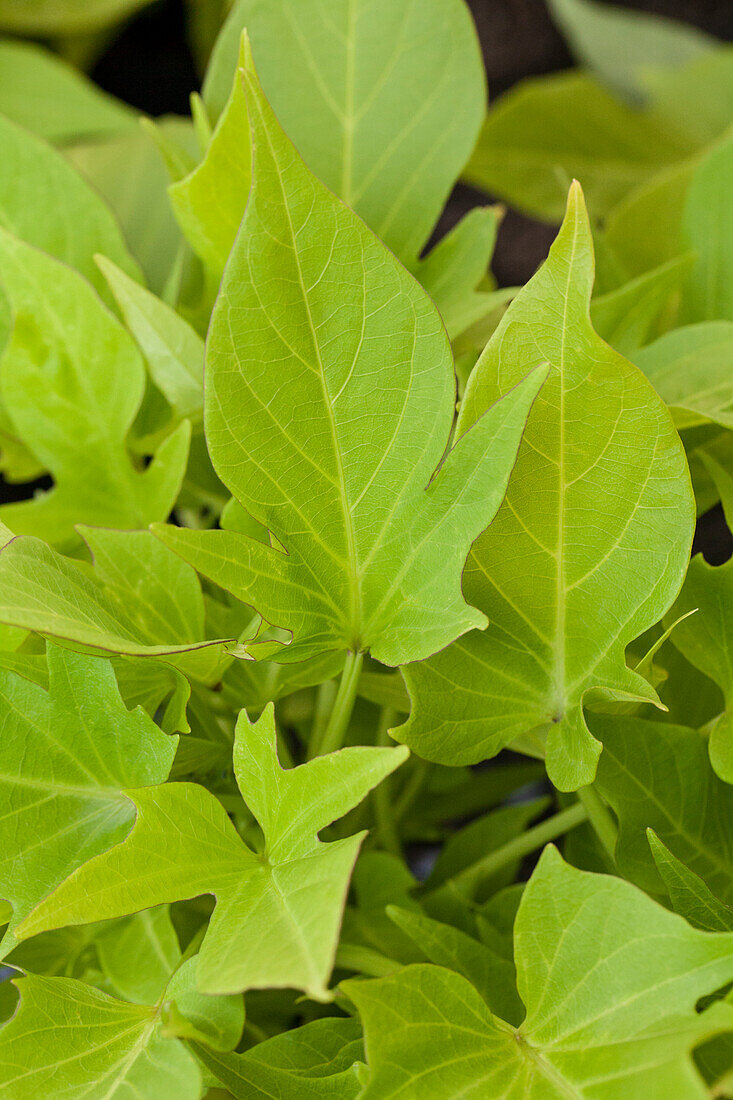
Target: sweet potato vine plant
column 360, row 581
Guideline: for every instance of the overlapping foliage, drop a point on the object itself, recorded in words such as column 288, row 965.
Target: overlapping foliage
column 332, row 520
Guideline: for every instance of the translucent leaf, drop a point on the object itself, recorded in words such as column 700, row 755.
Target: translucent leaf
column 314, row 318
column 383, row 100
column 66, row 756
column 278, row 912
column 587, row 551
column 610, row 981
column 72, row 382
column 139, row 600
column 691, row 368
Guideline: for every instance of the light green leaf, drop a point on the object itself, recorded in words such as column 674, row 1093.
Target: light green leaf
column 72, row 381
column 318, row 1061
column 548, row 130
column 610, row 981
column 375, row 539
column 70, row 1041
column 659, row 776
column 51, row 17
column 491, row 974
column 278, row 913
column 105, row 1047
column 53, row 100
column 66, row 217
column 587, row 551
column 698, row 97
column 129, row 172
column 66, row 756
column 138, row 955
column 383, row 99
column 708, row 229
column 209, row 202
column 139, row 600
column 173, row 350
column 644, row 229
column 625, row 317
column 619, row 45
column 691, row 368
column 454, row 269
column 690, row 896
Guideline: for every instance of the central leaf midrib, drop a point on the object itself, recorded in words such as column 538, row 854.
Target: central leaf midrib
column 354, row 588
column 560, row 638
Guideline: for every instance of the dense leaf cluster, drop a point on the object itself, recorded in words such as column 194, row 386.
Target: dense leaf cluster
column 332, row 521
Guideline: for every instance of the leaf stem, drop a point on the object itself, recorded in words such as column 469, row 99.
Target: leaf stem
column 333, row 735
column 384, row 809
column 520, row 846
column 600, row 819
column 364, row 960
column 412, row 787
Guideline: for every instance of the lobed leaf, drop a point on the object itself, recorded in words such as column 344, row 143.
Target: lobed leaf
column 67, row 755
column 72, row 382
column 278, row 912
column 609, row 979
column 587, row 551
column 375, row 539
